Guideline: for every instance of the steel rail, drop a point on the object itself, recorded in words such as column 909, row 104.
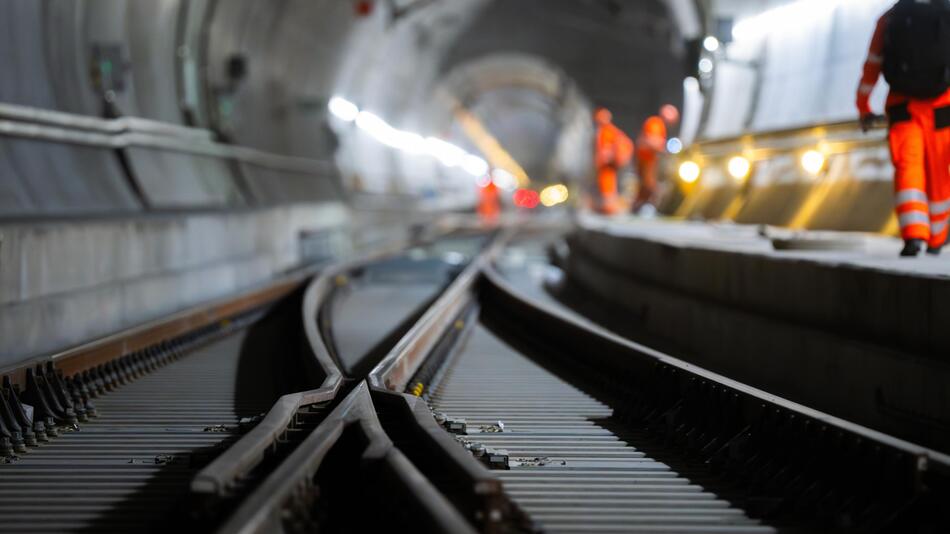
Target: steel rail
column 473, row 489
column 758, row 441
column 220, row 477
column 669, row 399
column 285, row 488
column 398, row 367
column 112, row 346
column 646, row 358
column 133, row 461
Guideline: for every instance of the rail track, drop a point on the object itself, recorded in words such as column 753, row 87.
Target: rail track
column 428, row 389
column 112, row 447
column 589, row 432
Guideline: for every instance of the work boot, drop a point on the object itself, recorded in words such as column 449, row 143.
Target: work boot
column 912, row 248
column 935, row 251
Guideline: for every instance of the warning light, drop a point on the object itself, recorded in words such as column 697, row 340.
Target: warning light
column 670, row 114
column 364, row 8
column 526, row 198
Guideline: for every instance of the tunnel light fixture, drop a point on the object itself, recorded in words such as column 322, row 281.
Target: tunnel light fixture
column 554, row 194
column 711, row 44
column 475, row 165
column 409, row 142
column 705, row 66
column 371, row 124
column 504, row 179
column 381, row 131
column 813, row 162
column 343, row 109
column 739, row 168
column 674, row 145
column 689, row 172
column 447, row 153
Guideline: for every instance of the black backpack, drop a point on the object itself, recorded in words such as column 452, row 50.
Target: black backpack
column 917, row 48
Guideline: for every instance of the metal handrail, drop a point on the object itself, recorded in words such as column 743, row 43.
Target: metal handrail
column 832, row 138
column 133, row 132
column 74, row 121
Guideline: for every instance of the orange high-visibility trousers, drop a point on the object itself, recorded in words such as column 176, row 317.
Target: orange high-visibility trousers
column 613, row 150
column 920, row 149
column 609, row 195
column 647, row 163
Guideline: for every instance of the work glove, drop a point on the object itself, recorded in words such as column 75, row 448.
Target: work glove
column 867, row 122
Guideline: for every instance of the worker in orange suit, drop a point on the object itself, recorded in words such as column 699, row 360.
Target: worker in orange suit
column 650, row 144
column 613, row 151
column 489, row 202
column 918, row 113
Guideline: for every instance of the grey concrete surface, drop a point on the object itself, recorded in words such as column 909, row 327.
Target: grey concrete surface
column 855, row 334
column 868, row 292
column 65, row 282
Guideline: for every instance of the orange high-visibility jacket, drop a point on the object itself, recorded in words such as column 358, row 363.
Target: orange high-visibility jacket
column 614, row 148
column 652, row 139
column 872, row 70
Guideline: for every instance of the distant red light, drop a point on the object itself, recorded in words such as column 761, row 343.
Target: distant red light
column 670, row 114
column 364, row 8
column 526, row 198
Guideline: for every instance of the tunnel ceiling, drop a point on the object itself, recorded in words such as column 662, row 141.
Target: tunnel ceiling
column 627, row 56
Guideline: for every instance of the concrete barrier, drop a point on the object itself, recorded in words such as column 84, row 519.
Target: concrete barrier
column 63, row 282
column 857, row 335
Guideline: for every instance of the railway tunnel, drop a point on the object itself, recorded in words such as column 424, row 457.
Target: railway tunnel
column 347, row 265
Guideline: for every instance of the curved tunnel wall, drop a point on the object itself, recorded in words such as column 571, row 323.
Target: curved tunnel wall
column 155, row 60
column 795, row 63
column 499, row 88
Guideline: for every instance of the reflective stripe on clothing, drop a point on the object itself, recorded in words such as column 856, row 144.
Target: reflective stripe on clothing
column 938, row 227
column 913, row 217
column 939, row 208
column 911, row 195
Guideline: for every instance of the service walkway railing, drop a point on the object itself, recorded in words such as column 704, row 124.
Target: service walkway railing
column 831, row 176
